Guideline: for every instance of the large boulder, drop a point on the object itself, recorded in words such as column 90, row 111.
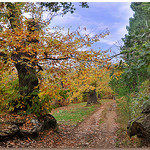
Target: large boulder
column 141, row 126
column 26, row 127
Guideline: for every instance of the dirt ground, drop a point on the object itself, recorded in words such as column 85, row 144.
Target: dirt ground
column 96, row 131
column 101, row 125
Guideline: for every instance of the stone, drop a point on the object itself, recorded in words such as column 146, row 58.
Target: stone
column 29, row 128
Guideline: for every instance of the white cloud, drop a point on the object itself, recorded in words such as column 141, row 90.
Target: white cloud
column 102, row 5
column 117, row 31
column 68, row 19
column 122, row 31
column 108, row 41
column 120, row 9
column 118, row 18
column 114, row 37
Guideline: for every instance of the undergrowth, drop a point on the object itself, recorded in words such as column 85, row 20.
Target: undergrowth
column 123, row 115
column 130, row 107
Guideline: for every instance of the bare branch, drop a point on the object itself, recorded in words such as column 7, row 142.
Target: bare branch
column 111, row 57
column 57, row 58
column 39, row 68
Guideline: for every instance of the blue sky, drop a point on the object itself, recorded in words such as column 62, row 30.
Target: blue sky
column 100, row 16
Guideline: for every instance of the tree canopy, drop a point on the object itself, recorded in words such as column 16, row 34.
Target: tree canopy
column 135, row 63
column 28, row 47
column 136, row 46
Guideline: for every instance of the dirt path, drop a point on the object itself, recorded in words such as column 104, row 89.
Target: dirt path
column 98, row 130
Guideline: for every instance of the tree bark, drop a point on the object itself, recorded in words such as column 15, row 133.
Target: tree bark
column 28, row 82
column 114, row 98
column 92, row 97
column 99, row 96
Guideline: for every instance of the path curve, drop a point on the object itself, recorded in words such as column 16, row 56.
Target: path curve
column 98, row 130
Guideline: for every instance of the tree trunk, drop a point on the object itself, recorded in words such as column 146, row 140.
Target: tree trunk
column 75, row 100
column 99, row 96
column 28, row 83
column 92, row 97
column 114, row 98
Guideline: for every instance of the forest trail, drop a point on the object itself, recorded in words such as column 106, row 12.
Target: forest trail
column 98, row 130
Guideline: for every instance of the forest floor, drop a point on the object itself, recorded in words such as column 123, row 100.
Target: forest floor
column 97, row 131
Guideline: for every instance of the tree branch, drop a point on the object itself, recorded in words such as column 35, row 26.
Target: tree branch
column 111, row 57
column 57, row 58
column 39, row 68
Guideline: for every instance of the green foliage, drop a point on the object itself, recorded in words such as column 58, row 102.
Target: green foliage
column 129, row 85
column 65, row 6
column 39, row 107
column 64, row 94
column 138, row 29
column 122, row 85
column 136, row 47
column 129, row 108
column 123, row 104
column 84, row 96
column 9, row 94
column 136, row 51
column 11, row 100
column 132, row 86
column 135, row 70
column 140, row 99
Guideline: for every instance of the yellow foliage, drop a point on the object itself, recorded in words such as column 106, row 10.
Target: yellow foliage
column 68, row 70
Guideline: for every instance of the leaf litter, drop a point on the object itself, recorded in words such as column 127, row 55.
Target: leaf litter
column 88, row 134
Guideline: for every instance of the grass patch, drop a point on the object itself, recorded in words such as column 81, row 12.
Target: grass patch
column 103, row 116
column 74, row 113
column 102, row 101
column 78, row 104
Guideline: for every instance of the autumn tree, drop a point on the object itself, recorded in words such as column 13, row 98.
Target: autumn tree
column 27, row 45
column 88, row 79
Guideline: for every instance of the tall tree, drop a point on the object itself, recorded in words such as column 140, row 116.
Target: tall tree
column 136, row 45
column 138, row 29
column 27, row 47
